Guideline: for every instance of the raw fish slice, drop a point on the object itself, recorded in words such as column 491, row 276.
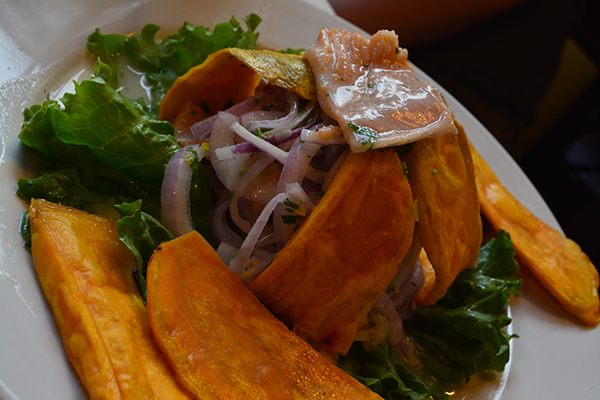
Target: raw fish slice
column 368, row 86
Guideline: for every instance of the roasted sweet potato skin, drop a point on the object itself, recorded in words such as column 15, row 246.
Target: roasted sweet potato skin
column 222, row 342
column 85, row 272
column 442, row 178
column 556, row 261
column 231, row 75
column 331, row 272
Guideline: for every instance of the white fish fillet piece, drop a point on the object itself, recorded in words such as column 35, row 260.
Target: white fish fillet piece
column 370, row 89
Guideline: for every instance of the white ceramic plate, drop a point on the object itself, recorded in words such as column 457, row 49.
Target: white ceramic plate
column 42, row 46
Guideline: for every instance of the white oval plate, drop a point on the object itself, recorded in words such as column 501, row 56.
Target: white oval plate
column 42, row 47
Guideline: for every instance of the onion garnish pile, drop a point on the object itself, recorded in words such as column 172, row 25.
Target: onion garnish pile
column 273, row 165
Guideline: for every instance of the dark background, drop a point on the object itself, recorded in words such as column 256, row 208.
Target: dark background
column 564, row 164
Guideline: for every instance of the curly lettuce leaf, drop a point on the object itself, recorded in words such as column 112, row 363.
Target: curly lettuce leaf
column 98, row 121
column 384, row 371
column 116, row 149
column 455, row 338
column 165, row 60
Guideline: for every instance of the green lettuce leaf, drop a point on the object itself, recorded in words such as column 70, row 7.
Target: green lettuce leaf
column 142, row 234
column 116, row 149
column 165, row 60
column 460, row 335
column 98, row 121
column 61, row 187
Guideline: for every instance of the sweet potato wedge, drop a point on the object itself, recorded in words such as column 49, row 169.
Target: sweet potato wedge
column 86, row 274
column 331, row 272
column 442, row 179
column 222, row 342
column 231, row 75
column 556, row 261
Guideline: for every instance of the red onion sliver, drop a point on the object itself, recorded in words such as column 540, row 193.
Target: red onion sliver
column 253, row 120
column 253, row 272
column 220, row 227
column 202, row 128
column 296, row 192
column 261, row 144
column 226, row 170
column 252, row 172
column 396, row 331
column 175, row 191
column 226, row 252
column 239, row 263
column 334, row 170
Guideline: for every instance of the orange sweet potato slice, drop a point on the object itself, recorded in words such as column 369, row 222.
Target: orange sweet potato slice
column 556, row 261
column 442, row 178
column 222, row 342
column 231, row 75
column 331, row 272
column 86, row 275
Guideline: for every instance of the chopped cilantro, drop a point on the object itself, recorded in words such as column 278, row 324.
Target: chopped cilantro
column 367, row 134
column 290, row 204
column 289, row 219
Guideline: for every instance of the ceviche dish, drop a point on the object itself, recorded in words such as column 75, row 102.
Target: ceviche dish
column 276, row 224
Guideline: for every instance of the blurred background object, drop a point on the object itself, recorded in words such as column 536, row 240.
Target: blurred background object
column 529, row 70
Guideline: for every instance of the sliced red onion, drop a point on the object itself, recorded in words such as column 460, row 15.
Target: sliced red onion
column 374, row 330
column 288, row 166
column 396, row 331
column 272, row 126
column 263, row 161
column 260, row 143
column 404, row 298
column 305, row 154
column 202, row 128
column 297, row 194
column 283, row 231
column 294, row 170
column 254, row 119
column 226, row 170
column 332, row 153
column 278, row 96
column 247, row 147
column 239, row 263
column 220, row 228
column 408, row 280
column 175, row 190
column 226, row 252
column 251, row 274
column 263, row 187
column 334, row 170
